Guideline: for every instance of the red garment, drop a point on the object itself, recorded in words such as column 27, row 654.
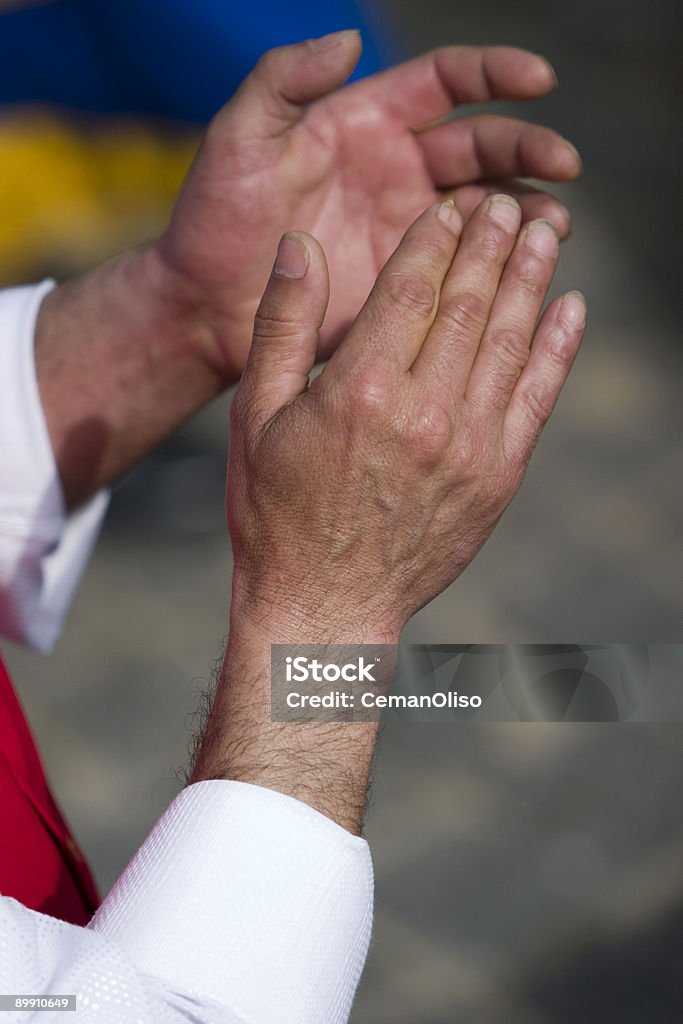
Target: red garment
column 40, row 863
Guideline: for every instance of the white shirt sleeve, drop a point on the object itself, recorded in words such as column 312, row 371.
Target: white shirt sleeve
column 43, row 551
column 243, row 906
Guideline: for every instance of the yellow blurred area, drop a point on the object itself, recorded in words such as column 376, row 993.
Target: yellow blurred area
column 73, row 193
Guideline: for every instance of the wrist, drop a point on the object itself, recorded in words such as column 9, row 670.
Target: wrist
column 217, row 335
column 296, row 615
column 120, row 364
column 325, row 765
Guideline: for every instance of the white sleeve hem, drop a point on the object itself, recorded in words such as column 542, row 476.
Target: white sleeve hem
column 43, row 551
column 250, row 898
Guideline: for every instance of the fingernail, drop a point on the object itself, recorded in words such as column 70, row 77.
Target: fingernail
column 574, row 150
column 551, row 69
column 565, row 211
column 572, row 310
column 561, row 219
column 450, row 216
column 292, row 257
column 505, row 211
column 542, row 237
column 331, row 40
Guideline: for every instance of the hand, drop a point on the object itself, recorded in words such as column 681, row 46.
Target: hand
column 290, row 151
column 356, row 500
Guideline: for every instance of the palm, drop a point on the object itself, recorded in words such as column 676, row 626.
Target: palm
column 349, row 170
column 365, row 181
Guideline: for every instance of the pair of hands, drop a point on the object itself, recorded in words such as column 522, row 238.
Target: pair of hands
column 381, row 480
column 128, row 352
column 359, row 498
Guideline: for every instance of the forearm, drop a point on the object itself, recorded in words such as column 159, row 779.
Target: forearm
column 120, row 364
column 326, row 765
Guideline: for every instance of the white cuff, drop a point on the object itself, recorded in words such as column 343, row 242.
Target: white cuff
column 43, row 552
column 250, row 898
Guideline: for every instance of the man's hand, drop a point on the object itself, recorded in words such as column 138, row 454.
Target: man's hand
column 355, row 500
column 292, row 151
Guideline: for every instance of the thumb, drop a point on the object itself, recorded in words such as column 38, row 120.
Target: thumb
column 286, row 327
column 275, row 94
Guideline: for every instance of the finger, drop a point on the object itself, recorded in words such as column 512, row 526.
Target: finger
column 286, row 327
column 486, row 146
column 468, row 292
column 505, row 347
column 274, row 96
column 535, row 203
column 424, row 89
column 553, row 351
column 400, row 309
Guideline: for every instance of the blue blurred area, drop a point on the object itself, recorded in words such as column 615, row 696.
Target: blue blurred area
column 178, row 59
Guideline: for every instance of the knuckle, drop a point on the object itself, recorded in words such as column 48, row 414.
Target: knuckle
column 465, row 313
column 427, row 430
column 412, row 291
column 559, row 355
column 270, row 323
column 538, row 403
column 369, row 395
column 511, row 347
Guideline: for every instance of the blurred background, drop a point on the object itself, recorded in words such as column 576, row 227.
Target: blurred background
column 531, row 874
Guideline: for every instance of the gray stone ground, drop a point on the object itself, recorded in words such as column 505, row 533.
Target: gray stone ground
column 526, row 874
